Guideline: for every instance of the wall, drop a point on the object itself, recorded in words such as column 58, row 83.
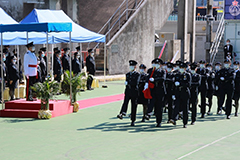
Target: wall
column 135, row 40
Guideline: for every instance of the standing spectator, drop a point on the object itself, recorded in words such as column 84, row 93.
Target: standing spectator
column 13, row 77
column 66, row 59
column 20, row 65
column 2, row 79
column 57, row 69
column 42, row 65
column 91, row 68
column 228, row 50
column 76, row 65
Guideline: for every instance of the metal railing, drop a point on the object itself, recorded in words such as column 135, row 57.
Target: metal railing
column 119, row 18
column 217, row 40
column 174, row 17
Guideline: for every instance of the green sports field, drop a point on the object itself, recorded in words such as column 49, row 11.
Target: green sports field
column 96, row 134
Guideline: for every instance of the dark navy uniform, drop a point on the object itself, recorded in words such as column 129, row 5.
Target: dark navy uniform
column 57, row 68
column 195, row 83
column 141, row 99
column 13, row 78
column 157, row 93
column 169, row 89
column 226, row 87
column 203, row 87
column 91, row 67
column 211, row 88
column 131, row 93
column 182, row 95
column 43, row 67
column 66, row 62
column 76, row 66
column 236, row 94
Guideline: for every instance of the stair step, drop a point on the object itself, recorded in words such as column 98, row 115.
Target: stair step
column 19, row 113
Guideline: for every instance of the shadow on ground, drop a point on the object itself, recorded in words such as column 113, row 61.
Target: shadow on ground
column 148, row 126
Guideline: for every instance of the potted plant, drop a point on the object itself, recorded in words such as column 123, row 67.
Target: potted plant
column 45, row 91
column 78, row 82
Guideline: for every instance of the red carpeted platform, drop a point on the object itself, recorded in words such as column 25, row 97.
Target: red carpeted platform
column 86, row 103
column 25, row 109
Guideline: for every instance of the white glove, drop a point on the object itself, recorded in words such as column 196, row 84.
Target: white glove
column 216, row 88
column 146, row 86
column 151, row 79
column 27, row 76
column 177, row 83
column 222, row 78
column 126, row 83
column 173, row 97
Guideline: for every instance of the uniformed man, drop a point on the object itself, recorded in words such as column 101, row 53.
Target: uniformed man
column 195, row 83
column 20, row 64
column 236, row 94
column 131, row 92
column 228, row 50
column 57, row 69
column 182, row 83
column 169, row 89
column 141, row 99
column 2, row 79
column 43, row 65
column 91, row 68
column 211, row 86
column 225, row 85
column 39, row 71
column 176, row 66
column 13, row 77
column 203, row 87
column 30, row 69
column 76, row 65
column 218, row 66
column 156, row 78
column 66, row 59
column 80, row 58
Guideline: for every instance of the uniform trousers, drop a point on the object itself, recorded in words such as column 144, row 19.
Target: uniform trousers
column 124, row 108
column 193, row 103
column 226, row 90
column 30, row 82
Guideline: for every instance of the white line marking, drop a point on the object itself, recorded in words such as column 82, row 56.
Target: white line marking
column 209, row 144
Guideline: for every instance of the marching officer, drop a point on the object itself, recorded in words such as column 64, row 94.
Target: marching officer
column 76, row 65
column 156, row 76
column 203, row 87
column 225, row 85
column 169, row 89
column 218, row 66
column 131, row 92
column 91, row 68
column 211, row 86
column 66, row 59
column 182, row 83
column 2, row 79
column 13, row 77
column 30, row 69
column 236, row 95
column 57, row 69
column 43, row 65
column 176, row 66
column 195, row 83
column 141, row 99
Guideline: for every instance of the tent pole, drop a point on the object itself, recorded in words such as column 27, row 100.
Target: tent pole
column 81, row 59
column 52, row 60
column 47, row 54
column 16, row 49
column 27, row 37
column 70, row 46
column 2, row 68
column 104, row 69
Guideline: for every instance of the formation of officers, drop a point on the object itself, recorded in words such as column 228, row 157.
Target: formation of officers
column 176, row 87
column 35, row 67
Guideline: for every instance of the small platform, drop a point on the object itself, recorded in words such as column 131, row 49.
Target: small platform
column 27, row 109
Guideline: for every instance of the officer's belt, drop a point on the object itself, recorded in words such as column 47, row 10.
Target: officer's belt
column 33, row 66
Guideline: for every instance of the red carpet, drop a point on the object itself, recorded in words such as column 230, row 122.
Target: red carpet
column 25, row 109
column 99, row 101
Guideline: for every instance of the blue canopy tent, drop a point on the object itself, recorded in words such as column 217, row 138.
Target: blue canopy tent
column 79, row 34
column 35, row 27
column 19, row 38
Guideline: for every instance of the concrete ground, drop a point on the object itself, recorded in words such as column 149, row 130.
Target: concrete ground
column 96, row 134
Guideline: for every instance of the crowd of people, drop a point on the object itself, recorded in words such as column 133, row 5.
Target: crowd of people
column 35, row 67
column 176, row 87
